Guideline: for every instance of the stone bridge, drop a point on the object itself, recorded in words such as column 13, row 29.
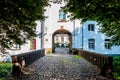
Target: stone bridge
column 62, row 65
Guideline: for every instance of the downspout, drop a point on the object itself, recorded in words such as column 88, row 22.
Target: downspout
column 82, row 37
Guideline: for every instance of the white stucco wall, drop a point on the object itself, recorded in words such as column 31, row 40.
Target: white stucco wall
column 26, row 47
column 38, row 38
column 53, row 25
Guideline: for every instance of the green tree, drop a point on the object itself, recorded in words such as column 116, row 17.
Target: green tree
column 105, row 12
column 17, row 20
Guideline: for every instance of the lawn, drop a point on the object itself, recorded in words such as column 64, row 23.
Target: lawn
column 77, row 56
column 5, row 70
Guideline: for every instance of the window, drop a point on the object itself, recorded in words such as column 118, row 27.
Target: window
column 107, row 44
column 62, row 14
column 17, row 46
column 91, row 43
column 91, row 27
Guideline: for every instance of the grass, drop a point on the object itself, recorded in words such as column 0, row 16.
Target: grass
column 5, row 70
column 116, row 75
column 77, row 56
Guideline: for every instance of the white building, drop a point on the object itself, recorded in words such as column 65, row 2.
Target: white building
column 57, row 24
column 31, row 45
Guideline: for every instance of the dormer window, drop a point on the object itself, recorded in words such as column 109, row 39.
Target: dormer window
column 62, row 15
column 91, row 27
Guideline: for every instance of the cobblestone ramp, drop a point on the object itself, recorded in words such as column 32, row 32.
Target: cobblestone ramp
column 62, row 67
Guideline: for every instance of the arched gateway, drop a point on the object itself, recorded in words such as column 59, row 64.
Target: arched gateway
column 62, row 32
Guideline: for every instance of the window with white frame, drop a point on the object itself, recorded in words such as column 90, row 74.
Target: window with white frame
column 107, row 44
column 91, row 27
column 15, row 46
column 62, row 14
column 91, row 44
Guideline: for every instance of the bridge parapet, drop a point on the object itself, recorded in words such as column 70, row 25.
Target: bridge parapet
column 102, row 61
column 30, row 57
column 95, row 58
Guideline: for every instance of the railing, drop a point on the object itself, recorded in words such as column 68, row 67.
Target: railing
column 99, row 59
column 96, row 59
column 30, row 57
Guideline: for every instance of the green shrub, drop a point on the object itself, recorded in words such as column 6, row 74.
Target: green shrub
column 57, row 44
column 74, row 51
column 116, row 65
column 5, row 70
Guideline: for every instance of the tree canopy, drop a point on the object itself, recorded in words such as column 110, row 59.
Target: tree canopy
column 17, row 20
column 105, row 12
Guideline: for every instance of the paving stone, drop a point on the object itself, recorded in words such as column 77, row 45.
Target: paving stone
column 62, row 67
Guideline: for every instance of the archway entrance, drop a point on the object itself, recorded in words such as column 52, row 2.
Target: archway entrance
column 61, row 38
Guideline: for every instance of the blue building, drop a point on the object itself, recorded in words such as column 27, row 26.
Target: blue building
column 89, row 38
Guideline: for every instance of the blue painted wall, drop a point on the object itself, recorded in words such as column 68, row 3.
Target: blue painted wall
column 82, row 38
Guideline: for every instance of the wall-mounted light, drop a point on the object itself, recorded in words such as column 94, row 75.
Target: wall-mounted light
column 46, row 39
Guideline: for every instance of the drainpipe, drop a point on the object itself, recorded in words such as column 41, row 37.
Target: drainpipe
column 74, row 32
column 82, row 37
column 42, row 31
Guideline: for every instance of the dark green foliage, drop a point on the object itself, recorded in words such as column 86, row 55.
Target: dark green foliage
column 57, row 44
column 74, row 51
column 17, row 20
column 116, row 65
column 105, row 12
column 5, row 70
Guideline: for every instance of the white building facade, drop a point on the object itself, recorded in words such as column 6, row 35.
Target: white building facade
column 84, row 36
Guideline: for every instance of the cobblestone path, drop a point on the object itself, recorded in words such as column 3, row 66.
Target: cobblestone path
column 62, row 67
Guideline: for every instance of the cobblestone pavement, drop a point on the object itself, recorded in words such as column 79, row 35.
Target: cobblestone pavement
column 62, row 67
